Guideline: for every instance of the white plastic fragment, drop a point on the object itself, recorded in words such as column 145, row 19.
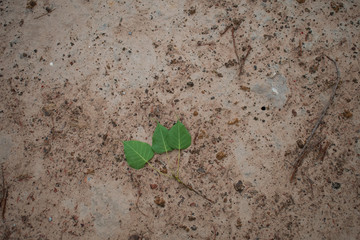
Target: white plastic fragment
column 275, row 91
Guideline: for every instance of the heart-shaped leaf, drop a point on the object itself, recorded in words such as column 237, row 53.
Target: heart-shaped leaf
column 159, row 139
column 179, row 137
column 137, row 153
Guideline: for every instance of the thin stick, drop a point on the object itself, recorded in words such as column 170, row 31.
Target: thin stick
column 300, row 158
column 191, row 189
column 322, row 152
column 139, row 195
column 4, row 194
column 234, row 44
column 196, row 136
column 200, row 43
column 226, row 29
column 242, row 63
column 48, row 12
column 214, row 232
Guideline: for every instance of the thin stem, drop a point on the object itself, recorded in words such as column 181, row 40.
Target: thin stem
column 178, row 165
column 167, row 155
column 168, row 160
column 158, row 170
column 191, row 188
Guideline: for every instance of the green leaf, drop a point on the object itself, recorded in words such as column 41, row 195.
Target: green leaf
column 159, row 139
column 179, row 137
column 137, row 153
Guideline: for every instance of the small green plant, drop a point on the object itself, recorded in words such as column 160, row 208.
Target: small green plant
column 138, row 153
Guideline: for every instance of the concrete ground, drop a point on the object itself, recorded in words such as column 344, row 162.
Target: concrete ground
column 249, row 79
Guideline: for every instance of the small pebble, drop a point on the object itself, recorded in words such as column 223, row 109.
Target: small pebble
column 134, row 237
column 300, row 143
column 193, row 227
column 50, row 219
column 190, row 84
column 239, row 186
column 335, row 185
column 159, row 201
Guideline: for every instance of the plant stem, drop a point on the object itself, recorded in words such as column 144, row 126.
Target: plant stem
column 158, row 170
column 176, row 177
column 168, row 160
column 178, row 165
column 191, row 188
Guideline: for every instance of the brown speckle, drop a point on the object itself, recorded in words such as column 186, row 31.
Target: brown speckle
column 159, row 201
column 220, row 155
column 244, row 88
column 31, row 4
column 347, row 114
column 235, row 121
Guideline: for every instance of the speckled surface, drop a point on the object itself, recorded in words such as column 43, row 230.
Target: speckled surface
column 79, row 77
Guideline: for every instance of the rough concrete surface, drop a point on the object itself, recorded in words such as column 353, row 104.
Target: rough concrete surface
column 79, row 77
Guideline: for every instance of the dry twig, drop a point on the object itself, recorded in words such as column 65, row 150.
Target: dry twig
column 322, row 152
column 214, row 232
column 200, row 43
column 226, row 29
column 196, row 136
column 234, row 44
column 4, row 194
column 242, row 63
column 299, row 160
column 192, row 189
column 48, row 11
column 137, row 183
